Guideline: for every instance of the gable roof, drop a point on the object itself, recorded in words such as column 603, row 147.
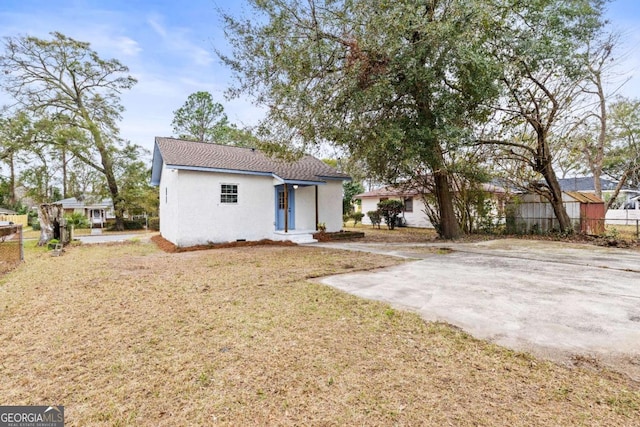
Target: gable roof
column 585, row 183
column 412, row 190
column 389, row 191
column 584, row 197
column 204, row 156
column 87, row 202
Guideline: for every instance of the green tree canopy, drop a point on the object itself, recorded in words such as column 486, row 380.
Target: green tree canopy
column 68, row 81
column 200, row 119
column 397, row 84
column 540, row 45
column 622, row 155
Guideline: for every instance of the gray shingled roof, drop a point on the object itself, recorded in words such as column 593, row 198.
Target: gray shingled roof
column 585, row 183
column 408, row 191
column 87, row 202
column 202, row 155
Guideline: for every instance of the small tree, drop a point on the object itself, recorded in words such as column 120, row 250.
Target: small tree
column 350, row 189
column 390, row 209
column 375, row 217
column 357, row 217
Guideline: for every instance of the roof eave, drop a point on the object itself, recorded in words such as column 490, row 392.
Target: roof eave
column 217, row 170
column 335, row 178
column 156, row 166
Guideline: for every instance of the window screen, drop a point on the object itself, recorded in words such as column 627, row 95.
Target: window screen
column 229, row 193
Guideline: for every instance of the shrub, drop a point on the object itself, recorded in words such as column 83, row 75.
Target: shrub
column 345, row 217
column 357, row 217
column 128, row 224
column 375, row 217
column 154, row 223
column 51, row 244
column 390, row 209
column 78, row 220
column 133, row 224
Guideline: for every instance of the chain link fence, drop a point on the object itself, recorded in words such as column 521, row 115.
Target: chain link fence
column 11, row 249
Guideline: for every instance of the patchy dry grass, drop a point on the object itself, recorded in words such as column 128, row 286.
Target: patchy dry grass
column 628, row 232
column 128, row 335
column 398, row 235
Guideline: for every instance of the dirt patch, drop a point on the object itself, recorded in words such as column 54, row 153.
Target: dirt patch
column 169, row 247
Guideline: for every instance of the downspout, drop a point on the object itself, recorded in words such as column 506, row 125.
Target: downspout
column 317, row 216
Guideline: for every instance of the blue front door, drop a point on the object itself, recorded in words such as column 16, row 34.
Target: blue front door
column 280, row 207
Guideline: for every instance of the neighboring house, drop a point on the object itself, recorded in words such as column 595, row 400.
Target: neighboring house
column 628, row 196
column 5, row 211
column 97, row 211
column 414, row 214
column 212, row 193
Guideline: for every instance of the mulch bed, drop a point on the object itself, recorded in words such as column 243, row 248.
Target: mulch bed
column 338, row 235
column 169, row 247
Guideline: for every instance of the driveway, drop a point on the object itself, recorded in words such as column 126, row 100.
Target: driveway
column 567, row 302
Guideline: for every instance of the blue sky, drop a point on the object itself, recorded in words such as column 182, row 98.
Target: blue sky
column 169, row 48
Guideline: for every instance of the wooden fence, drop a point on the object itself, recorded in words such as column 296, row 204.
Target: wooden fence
column 16, row 219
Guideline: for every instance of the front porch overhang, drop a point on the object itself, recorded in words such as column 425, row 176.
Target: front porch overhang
column 303, row 183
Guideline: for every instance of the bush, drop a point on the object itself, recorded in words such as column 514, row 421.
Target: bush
column 154, row 223
column 133, row 224
column 390, row 209
column 35, row 226
column 375, row 217
column 357, row 217
column 51, row 244
column 127, row 224
column 78, row 220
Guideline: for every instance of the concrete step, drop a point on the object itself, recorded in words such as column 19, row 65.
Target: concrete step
column 295, row 236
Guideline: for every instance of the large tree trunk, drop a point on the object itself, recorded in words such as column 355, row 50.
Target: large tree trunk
column 50, row 216
column 449, row 228
column 554, row 195
column 12, row 181
column 107, row 168
column 65, row 193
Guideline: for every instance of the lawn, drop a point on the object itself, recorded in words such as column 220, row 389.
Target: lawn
column 129, row 335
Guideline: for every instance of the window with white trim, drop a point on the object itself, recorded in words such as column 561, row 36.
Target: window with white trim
column 229, row 193
column 408, row 204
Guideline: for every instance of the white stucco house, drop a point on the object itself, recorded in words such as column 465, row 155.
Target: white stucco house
column 212, row 193
column 414, row 212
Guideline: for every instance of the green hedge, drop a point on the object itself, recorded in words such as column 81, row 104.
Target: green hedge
column 154, row 223
column 128, row 224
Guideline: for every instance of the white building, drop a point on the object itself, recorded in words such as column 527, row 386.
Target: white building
column 213, row 193
column 414, row 212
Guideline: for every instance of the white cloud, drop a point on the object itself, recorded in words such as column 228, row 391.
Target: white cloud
column 127, row 46
column 178, row 41
column 157, row 26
